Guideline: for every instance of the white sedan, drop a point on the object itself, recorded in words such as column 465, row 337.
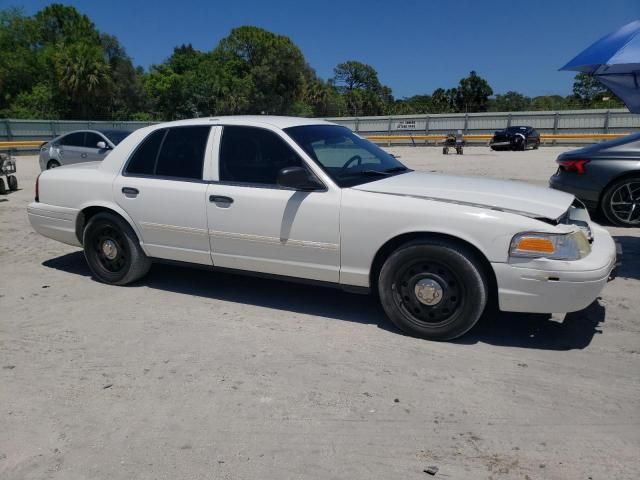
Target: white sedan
column 309, row 200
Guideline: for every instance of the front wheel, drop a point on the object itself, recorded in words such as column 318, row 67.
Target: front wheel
column 113, row 251
column 13, row 183
column 433, row 289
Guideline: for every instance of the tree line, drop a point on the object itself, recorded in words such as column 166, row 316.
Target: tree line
column 55, row 64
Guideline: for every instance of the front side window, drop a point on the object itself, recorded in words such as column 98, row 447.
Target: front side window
column 174, row 152
column 91, row 140
column 254, row 155
column 348, row 158
column 73, row 140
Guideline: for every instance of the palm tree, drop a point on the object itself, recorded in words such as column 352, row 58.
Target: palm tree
column 82, row 72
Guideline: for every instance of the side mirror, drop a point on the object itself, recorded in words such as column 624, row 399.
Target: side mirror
column 298, row 178
column 102, row 145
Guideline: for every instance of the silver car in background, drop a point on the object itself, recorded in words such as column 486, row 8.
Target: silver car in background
column 79, row 146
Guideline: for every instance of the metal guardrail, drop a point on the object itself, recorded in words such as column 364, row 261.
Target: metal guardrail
column 402, row 139
column 557, row 127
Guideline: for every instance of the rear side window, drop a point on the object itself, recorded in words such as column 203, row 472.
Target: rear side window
column 174, row 152
column 73, row 140
column 143, row 160
column 182, row 152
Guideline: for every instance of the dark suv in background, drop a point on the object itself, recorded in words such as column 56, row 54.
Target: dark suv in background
column 515, row 138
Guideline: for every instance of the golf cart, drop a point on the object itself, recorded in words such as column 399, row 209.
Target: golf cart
column 7, row 170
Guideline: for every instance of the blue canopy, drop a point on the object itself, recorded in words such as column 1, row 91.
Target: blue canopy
column 615, row 61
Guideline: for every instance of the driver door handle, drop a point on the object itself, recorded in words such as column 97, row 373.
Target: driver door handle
column 220, row 199
column 83, row 155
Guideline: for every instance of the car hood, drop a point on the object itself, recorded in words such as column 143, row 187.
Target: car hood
column 514, row 197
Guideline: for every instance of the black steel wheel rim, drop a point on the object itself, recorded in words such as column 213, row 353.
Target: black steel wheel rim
column 439, row 314
column 625, row 202
column 109, row 247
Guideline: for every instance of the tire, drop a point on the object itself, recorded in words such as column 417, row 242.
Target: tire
column 3, row 189
column 452, row 268
column 518, row 143
column 445, row 151
column 12, row 181
column 621, row 202
column 52, row 164
column 105, row 235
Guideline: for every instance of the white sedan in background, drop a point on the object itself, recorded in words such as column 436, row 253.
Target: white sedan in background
column 305, row 199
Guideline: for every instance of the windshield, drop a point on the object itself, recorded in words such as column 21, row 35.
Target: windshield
column 116, row 136
column 348, row 158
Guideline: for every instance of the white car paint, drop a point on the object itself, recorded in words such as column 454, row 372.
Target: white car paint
column 331, row 235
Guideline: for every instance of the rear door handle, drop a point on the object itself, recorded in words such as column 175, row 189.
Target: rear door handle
column 220, row 199
column 130, row 191
column 83, row 155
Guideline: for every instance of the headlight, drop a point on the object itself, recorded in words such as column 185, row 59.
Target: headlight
column 558, row 246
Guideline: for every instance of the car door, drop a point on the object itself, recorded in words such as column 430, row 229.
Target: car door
column 162, row 189
column 71, row 147
column 256, row 225
column 91, row 151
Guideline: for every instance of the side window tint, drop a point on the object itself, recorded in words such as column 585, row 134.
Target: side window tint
column 182, row 152
column 91, row 140
column 254, row 155
column 73, row 140
column 143, row 160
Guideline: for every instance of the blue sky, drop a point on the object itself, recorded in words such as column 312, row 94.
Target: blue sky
column 416, row 46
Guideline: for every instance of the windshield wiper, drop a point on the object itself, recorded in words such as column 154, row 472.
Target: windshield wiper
column 377, row 173
column 383, row 173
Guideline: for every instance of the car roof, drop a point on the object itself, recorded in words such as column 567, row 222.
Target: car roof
column 256, row 120
column 96, row 130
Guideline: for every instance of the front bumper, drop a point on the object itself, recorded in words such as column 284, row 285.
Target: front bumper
column 556, row 286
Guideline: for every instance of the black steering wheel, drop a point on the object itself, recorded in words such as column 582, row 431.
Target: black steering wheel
column 356, row 158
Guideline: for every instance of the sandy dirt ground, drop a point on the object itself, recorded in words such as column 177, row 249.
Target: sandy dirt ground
column 195, row 375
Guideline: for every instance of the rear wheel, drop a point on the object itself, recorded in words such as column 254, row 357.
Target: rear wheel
column 3, row 189
column 113, row 251
column 433, row 289
column 52, row 164
column 13, row 183
column 621, row 202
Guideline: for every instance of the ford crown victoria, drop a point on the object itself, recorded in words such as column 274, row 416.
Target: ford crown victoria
column 310, row 200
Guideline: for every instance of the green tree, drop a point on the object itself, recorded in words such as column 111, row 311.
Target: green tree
column 443, row 101
column 126, row 94
column 268, row 68
column 509, row 102
column 361, row 89
column 20, row 66
column 548, row 103
column 473, row 94
column 82, row 72
column 587, row 89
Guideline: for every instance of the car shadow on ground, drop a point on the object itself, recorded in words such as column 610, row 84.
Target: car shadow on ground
column 630, row 267
column 501, row 329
